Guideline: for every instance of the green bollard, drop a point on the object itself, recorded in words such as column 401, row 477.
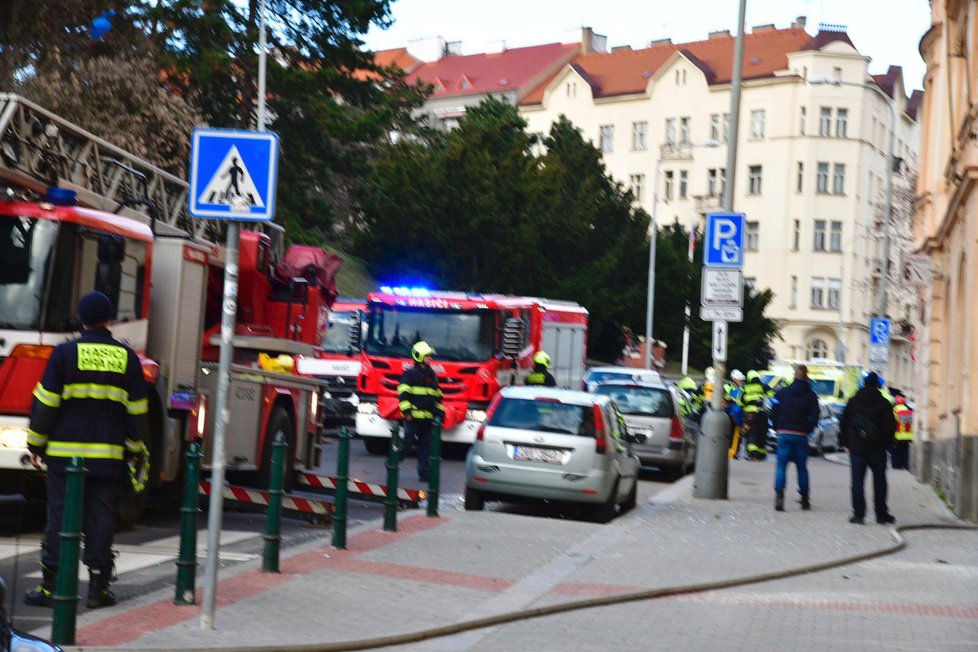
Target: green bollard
column 187, row 561
column 342, row 490
column 393, row 460
column 434, row 468
column 273, row 527
column 66, row 587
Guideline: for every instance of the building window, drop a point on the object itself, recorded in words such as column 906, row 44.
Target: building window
column 668, row 191
column 670, row 131
column 817, row 348
column 684, row 137
column 818, row 292
column 716, row 181
column 751, row 236
column 801, row 120
column 715, row 130
column 825, row 121
column 637, row 183
column 822, row 177
column 818, row 242
column 796, row 236
column 800, row 177
column 839, row 179
column 835, row 293
column 794, row 292
column 607, row 138
column 683, row 183
column 754, row 180
column 841, row 123
column 837, row 73
column 571, row 89
column 872, row 132
column 757, row 117
column 835, row 237
column 639, row 130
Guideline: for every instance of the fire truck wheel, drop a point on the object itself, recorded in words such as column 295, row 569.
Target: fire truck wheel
column 279, row 422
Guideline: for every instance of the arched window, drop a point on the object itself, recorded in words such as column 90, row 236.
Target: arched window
column 817, row 348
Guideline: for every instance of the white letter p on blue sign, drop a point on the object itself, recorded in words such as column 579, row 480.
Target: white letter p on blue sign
column 724, row 240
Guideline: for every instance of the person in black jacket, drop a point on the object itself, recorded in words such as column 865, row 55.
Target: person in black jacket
column 420, row 403
column 866, row 431
column 89, row 403
column 794, row 415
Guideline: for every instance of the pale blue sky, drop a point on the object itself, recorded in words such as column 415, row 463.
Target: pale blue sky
column 888, row 31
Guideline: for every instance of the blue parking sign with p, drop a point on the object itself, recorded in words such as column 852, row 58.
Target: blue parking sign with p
column 879, row 331
column 724, row 245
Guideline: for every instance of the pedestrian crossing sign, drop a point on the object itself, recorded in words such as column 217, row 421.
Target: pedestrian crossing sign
column 233, row 174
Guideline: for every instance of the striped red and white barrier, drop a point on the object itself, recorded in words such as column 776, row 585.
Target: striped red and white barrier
column 254, row 496
column 364, row 489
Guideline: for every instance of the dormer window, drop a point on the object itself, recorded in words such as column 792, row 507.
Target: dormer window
column 463, row 84
column 439, row 86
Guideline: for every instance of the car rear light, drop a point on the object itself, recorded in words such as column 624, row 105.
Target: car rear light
column 600, row 440
column 481, row 432
column 676, row 429
column 32, row 352
column 151, row 371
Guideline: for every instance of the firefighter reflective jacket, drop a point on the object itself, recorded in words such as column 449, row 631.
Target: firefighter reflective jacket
column 752, row 400
column 540, row 376
column 419, row 394
column 904, row 422
column 90, row 403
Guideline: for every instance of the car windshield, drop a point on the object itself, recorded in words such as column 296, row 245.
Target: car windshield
column 337, row 338
column 605, row 376
column 640, row 401
column 823, row 387
column 27, row 251
column 544, row 416
column 456, row 336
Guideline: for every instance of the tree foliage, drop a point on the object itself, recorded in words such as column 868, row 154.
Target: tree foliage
column 478, row 211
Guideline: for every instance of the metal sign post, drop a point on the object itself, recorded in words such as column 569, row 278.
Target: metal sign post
column 232, row 176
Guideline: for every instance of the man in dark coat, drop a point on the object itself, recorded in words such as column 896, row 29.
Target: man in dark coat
column 794, row 415
column 866, row 432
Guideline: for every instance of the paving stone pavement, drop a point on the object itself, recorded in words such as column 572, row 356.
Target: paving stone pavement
column 466, row 565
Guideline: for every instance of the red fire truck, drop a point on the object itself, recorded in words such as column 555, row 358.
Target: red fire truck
column 482, row 343
column 77, row 214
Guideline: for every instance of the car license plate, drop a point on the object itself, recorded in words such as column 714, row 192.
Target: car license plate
column 531, row 454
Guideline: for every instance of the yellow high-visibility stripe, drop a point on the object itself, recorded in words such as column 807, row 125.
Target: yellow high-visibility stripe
column 91, row 451
column 405, row 405
column 137, row 407
column 35, row 438
column 135, row 446
column 49, row 399
column 96, row 391
column 418, row 390
column 422, row 414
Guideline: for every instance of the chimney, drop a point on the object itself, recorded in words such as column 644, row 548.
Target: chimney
column 496, row 47
column 768, row 27
column 427, row 49
column 621, row 48
column 453, row 48
column 660, row 41
column 720, row 33
column 800, row 22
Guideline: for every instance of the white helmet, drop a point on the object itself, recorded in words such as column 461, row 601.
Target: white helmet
column 710, row 374
column 738, row 376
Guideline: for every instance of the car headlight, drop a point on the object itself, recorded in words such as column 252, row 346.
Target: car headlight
column 475, row 415
column 13, row 437
column 367, row 408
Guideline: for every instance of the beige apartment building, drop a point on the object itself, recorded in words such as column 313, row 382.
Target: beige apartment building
column 812, row 167
column 945, row 452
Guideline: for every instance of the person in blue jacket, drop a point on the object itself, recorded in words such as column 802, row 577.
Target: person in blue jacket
column 794, row 416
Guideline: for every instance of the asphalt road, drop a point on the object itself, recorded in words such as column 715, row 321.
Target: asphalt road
column 147, row 553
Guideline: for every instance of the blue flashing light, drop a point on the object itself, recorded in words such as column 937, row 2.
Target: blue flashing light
column 61, row 196
column 101, row 24
column 405, row 291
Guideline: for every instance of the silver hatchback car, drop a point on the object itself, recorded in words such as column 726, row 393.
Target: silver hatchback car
column 653, row 410
column 553, row 444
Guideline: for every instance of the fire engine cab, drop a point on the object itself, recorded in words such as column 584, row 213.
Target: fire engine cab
column 77, row 214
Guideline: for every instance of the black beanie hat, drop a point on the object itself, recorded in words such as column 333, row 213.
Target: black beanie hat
column 94, row 308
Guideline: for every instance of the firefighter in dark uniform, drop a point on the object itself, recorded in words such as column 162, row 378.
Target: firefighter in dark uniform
column 755, row 415
column 541, row 371
column 420, row 403
column 89, row 403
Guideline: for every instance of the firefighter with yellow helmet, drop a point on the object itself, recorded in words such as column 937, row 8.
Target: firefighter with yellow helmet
column 541, row 371
column 420, row 403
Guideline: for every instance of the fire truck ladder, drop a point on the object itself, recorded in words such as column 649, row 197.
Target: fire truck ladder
column 40, row 149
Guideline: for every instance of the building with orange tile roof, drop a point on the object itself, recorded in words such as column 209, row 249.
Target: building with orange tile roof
column 811, row 169
column 945, row 449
